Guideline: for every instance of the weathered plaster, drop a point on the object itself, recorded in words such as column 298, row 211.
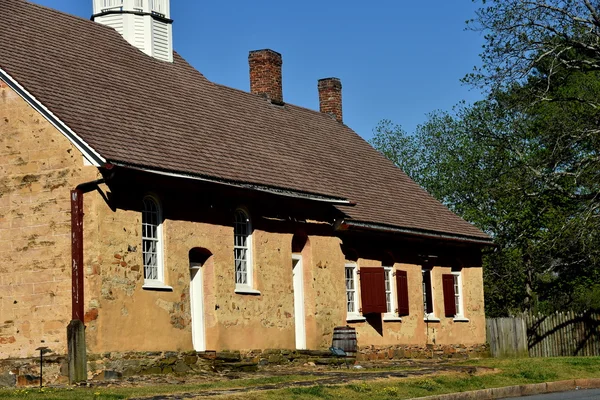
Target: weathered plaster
column 39, row 167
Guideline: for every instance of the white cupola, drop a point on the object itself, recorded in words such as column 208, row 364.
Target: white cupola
column 146, row 24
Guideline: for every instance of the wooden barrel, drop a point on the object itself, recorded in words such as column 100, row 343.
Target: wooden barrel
column 344, row 337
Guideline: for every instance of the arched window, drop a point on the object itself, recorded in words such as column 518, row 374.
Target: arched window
column 242, row 250
column 152, row 242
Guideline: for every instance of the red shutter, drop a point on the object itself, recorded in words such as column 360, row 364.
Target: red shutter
column 372, row 290
column 449, row 304
column 402, row 291
column 428, row 291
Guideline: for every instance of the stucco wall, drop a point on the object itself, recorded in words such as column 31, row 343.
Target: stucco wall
column 413, row 329
column 39, row 166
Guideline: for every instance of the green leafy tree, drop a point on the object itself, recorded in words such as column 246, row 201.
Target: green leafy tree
column 523, row 164
column 512, row 166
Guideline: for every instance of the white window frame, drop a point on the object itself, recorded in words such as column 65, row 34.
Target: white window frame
column 392, row 312
column 458, row 284
column 248, row 287
column 159, row 282
column 352, row 315
column 429, row 317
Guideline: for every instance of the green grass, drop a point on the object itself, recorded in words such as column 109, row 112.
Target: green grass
column 508, row 372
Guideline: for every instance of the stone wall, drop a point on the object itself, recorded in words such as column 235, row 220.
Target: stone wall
column 38, row 168
column 116, row 366
column 398, row 352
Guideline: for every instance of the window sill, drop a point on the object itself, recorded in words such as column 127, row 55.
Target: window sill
column 245, row 289
column 391, row 318
column 431, row 318
column 355, row 318
column 159, row 287
column 460, row 318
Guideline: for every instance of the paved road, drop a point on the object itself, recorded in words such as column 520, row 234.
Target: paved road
column 591, row 394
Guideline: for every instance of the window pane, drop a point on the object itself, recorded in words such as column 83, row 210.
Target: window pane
column 350, row 298
column 350, row 290
column 388, row 299
column 241, row 231
column 150, row 238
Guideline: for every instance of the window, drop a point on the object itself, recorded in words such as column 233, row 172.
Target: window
column 242, row 253
column 390, row 298
column 111, row 5
column 428, row 310
column 457, row 304
column 351, row 294
column 152, row 251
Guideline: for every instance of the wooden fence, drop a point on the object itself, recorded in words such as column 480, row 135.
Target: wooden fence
column 507, row 337
column 555, row 335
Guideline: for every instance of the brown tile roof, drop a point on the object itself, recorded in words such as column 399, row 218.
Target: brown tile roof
column 134, row 109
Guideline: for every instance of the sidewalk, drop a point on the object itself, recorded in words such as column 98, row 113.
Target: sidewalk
column 521, row 390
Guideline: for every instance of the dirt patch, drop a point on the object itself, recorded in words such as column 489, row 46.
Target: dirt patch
column 326, row 376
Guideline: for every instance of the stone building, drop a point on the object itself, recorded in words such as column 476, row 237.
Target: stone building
column 213, row 219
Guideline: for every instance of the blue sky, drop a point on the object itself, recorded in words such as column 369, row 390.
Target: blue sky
column 397, row 60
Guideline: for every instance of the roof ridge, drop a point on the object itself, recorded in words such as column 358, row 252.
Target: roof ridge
column 316, row 112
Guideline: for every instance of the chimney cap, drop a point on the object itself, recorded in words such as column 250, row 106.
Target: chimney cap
column 265, row 53
column 330, row 82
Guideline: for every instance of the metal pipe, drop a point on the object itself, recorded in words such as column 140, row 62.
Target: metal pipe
column 77, row 254
column 77, row 275
column 42, row 351
column 87, row 187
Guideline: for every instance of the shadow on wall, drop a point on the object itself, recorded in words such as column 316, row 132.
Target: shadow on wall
column 199, row 255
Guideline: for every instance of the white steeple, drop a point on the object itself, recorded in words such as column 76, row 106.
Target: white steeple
column 146, row 24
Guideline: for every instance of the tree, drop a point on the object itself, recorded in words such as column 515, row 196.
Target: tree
column 523, row 34
column 523, row 164
column 545, row 56
column 511, row 166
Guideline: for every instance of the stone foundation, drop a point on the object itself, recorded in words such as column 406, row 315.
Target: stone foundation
column 373, row 353
column 114, row 366
column 26, row 371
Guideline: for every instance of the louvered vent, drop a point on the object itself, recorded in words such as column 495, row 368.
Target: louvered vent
column 160, row 40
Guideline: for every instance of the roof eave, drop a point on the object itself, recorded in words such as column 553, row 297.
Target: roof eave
column 349, row 224
column 240, row 185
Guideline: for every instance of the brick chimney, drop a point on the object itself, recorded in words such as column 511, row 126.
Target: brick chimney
column 265, row 74
column 330, row 97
